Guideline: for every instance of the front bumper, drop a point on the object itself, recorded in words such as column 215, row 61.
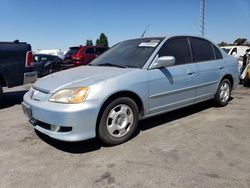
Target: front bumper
column 79, row 120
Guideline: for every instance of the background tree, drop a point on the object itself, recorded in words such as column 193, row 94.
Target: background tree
column 97, row 43
column 102, row 41
column 240, row 41
column 89, row 43
column 223, row 44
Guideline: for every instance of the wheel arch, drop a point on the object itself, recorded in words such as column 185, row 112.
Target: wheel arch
column 230, row 78
column 117, row 95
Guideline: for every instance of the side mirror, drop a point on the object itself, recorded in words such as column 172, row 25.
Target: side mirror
column 164, row 61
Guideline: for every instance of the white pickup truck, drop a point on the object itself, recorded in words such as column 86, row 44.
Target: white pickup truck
column 236, row 51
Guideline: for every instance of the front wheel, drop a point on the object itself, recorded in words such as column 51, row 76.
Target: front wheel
column 223, row 93
column 119, row 121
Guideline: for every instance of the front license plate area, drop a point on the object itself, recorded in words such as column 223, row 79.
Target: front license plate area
column 27, row 110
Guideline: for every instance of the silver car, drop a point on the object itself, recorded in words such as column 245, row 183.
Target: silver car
column 134, row 80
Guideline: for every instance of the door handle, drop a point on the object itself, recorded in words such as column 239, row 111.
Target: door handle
column 190, row 73
column 221, row 68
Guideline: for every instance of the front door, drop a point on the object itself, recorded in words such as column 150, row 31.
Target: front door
column 175, row 86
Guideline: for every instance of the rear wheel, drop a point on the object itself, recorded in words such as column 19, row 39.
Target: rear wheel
column 51, row 69
column 119, row 121
column 223, row 93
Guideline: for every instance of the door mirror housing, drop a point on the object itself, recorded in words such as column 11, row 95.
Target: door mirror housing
column 164, row 61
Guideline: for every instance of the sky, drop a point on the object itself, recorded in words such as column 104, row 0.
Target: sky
column 59, row 24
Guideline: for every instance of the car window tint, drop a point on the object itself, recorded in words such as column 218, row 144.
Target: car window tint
column 234, row 51
column 227, row 50
column 72, row 51
column 44, row 58
column 217, row 52
column 90, row 51
column 99, row 51
column 51, row 58
column 36, row 58
column 202, row 50
column 179, row 48
column 130, row 53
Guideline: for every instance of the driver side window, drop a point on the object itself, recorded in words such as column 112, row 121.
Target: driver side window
column 177, row 47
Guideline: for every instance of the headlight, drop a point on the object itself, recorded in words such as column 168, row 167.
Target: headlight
column 71, row 95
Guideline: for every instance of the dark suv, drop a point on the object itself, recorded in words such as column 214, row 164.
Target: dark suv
column 16, row 66
column 81, row 55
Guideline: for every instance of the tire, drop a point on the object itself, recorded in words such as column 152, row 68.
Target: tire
column 118, row 122
column 50, row 70
column 246, row 83
column 56, row 68
column 223, row 93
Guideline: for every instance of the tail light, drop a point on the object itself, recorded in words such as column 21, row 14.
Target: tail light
column 29, row 59
column 76, row 57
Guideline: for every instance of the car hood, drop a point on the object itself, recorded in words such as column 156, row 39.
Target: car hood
column 78, row 77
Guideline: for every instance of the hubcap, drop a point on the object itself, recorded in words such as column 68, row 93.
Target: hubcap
column 120, row 120
column 224, row 92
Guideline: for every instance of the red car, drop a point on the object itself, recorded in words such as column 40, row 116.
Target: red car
column 81, row 55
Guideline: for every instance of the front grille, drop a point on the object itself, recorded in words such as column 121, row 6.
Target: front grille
column 48, row 126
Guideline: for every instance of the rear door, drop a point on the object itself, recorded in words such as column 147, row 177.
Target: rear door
column 89, row 55
column 210, row 67
column 174, row 86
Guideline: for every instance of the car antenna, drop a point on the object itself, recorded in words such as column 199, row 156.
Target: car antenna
column 145, row 31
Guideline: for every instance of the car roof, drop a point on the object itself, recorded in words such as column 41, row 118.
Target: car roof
column 247, row 47
column 45, row 55
column 85, row 46
column 172, row 36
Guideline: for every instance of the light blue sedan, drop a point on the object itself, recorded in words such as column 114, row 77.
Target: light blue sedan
column 135, row 79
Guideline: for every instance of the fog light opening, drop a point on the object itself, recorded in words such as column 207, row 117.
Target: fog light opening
column 54, row 128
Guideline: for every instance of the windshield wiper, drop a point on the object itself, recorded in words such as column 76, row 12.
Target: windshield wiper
column 111, row 65
column 131, row 66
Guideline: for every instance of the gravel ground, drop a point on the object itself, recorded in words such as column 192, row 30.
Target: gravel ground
column 198, row 146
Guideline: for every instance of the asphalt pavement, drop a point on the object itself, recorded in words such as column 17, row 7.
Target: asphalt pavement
column 198, row 146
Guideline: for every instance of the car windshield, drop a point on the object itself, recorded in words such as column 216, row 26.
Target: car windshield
column 72, row 51
column 131, row 53
column 36, row 58
column 226, row 50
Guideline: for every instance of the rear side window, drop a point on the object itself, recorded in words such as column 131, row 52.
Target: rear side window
column 177, row 47
column 44, row 58
column 202, row 50
column 90, row 51
column 234, row 51
column 99, row 51
column 217, row 53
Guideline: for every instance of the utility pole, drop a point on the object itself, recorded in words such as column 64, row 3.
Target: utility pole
column 202, row 16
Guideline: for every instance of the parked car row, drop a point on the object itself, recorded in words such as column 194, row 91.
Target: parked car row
column 238, row 52
column 76, row 56
column 18, row 65
column 46, row 64
column 81, row 55
column 135, row 79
